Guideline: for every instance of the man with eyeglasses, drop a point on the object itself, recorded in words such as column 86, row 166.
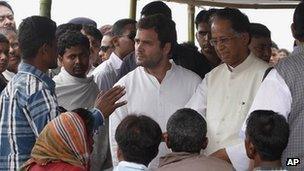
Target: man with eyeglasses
column 105, row 75
column 260, row 43
column 227, row 91
column 106, row 47
column 203, row 35
column 7, row 16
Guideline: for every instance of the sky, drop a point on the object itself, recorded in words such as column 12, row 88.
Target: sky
column 108, row 11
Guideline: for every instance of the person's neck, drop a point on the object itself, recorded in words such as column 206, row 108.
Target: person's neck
column 268, row 164
column 118, row 54
column 12, row 70
column 160, row 71
column 38, row 65
column 243, row 57
column 212, row 59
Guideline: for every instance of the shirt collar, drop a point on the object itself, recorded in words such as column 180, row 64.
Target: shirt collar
column 115, row 60
column 299, row 49
column 242, row 66
column 132, row 165
column 30, row 69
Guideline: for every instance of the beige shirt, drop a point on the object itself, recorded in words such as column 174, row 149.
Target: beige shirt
column 224, row 98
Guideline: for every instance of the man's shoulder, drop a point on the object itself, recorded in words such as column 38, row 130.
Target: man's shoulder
column 102, row 68
column 186, row 73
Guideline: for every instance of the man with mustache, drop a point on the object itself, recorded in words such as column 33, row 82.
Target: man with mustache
column 14, row 57
column 7, row 16
column 73, row 88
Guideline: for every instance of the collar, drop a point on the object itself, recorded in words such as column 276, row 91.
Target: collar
column 32, row 70
column 242, row 66
column 298, row 49
column 131, row 165
column 68, row 77
column 115, row 60
column 175, row 157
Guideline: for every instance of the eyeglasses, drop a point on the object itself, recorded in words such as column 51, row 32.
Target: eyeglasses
column 222, row 40
column 131, row 35
column 105, row 48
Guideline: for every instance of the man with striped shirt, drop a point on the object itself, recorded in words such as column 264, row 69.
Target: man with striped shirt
column 29, row 101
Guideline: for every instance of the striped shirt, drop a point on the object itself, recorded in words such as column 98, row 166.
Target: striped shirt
column 27, row 104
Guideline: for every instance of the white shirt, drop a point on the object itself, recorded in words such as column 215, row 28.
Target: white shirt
column 105, row 75
column 224, row 97
column 73, row 92
column 8, row 75
column 145, row 95
column 130, row 166
column 274, row 95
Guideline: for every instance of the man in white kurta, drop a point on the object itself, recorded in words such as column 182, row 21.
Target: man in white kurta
column 157, row 88
column 226, row 93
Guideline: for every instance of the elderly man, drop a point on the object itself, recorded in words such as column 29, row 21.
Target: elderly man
column 158, row 87
column 227, row 91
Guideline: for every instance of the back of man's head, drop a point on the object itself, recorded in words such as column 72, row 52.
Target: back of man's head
column 239, row 21
column 92, row 31
column 156, row 7
column 67, row 26
column 120, row 26
column 33, row 33
column 138, row 138
column 186, row 131
column 163, row 26
column 70, row 39
column 83, row 21
column 259, row 30
column 298, row 22
column 268, row 132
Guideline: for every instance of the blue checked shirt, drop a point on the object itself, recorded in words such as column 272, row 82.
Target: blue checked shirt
column 27, row 104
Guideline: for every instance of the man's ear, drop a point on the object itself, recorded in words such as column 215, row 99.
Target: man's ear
column 60, row 58
column 205, row 143
column 167, row 48
column 115, row 41
column 293, row 30
column 246, row 38
column 250, row 149
column 119, row 154
column 166, row 139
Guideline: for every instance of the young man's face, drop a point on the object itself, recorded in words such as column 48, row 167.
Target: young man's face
column 106, row 47
column 148, row 50
column 4, row 48
column 7, row 18
column 203, row 36
column 75, row 61
column 14, row 52
column 261, row 47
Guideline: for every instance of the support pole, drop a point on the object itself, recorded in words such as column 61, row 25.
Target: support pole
column 191, row 11
column 132, row 13
column 45, row 8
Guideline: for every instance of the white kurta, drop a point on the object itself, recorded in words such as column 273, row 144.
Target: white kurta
column 73, row 92
column 224, row 97
column 105, row 75
column 145, row 95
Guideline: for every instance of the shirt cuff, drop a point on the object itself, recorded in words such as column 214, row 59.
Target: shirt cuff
column 238, row 157
column 98, row 118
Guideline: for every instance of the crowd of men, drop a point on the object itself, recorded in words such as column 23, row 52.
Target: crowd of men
column 127, row 96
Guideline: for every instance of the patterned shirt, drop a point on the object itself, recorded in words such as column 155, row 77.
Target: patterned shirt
column 27, row 104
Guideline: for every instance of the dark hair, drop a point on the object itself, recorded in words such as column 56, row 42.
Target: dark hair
column 274, row 45
column 239, row 21
column 156, row 7
column 33, row 33
column 67, row 26
column 3, row 39
column 83, row 21
column 70, row 39
column 268, row 132
column 119, row 26
column 189, row 45
column 92, row 31
column 204, row 16
column 87, row 118
column 163, row 26
column 186, row 131
column 298, row 21
column 138, row 137
column 259, row 30
column 285, row 51
column 4, row 3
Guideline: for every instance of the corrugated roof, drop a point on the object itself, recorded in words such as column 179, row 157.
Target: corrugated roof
column 254, row 4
